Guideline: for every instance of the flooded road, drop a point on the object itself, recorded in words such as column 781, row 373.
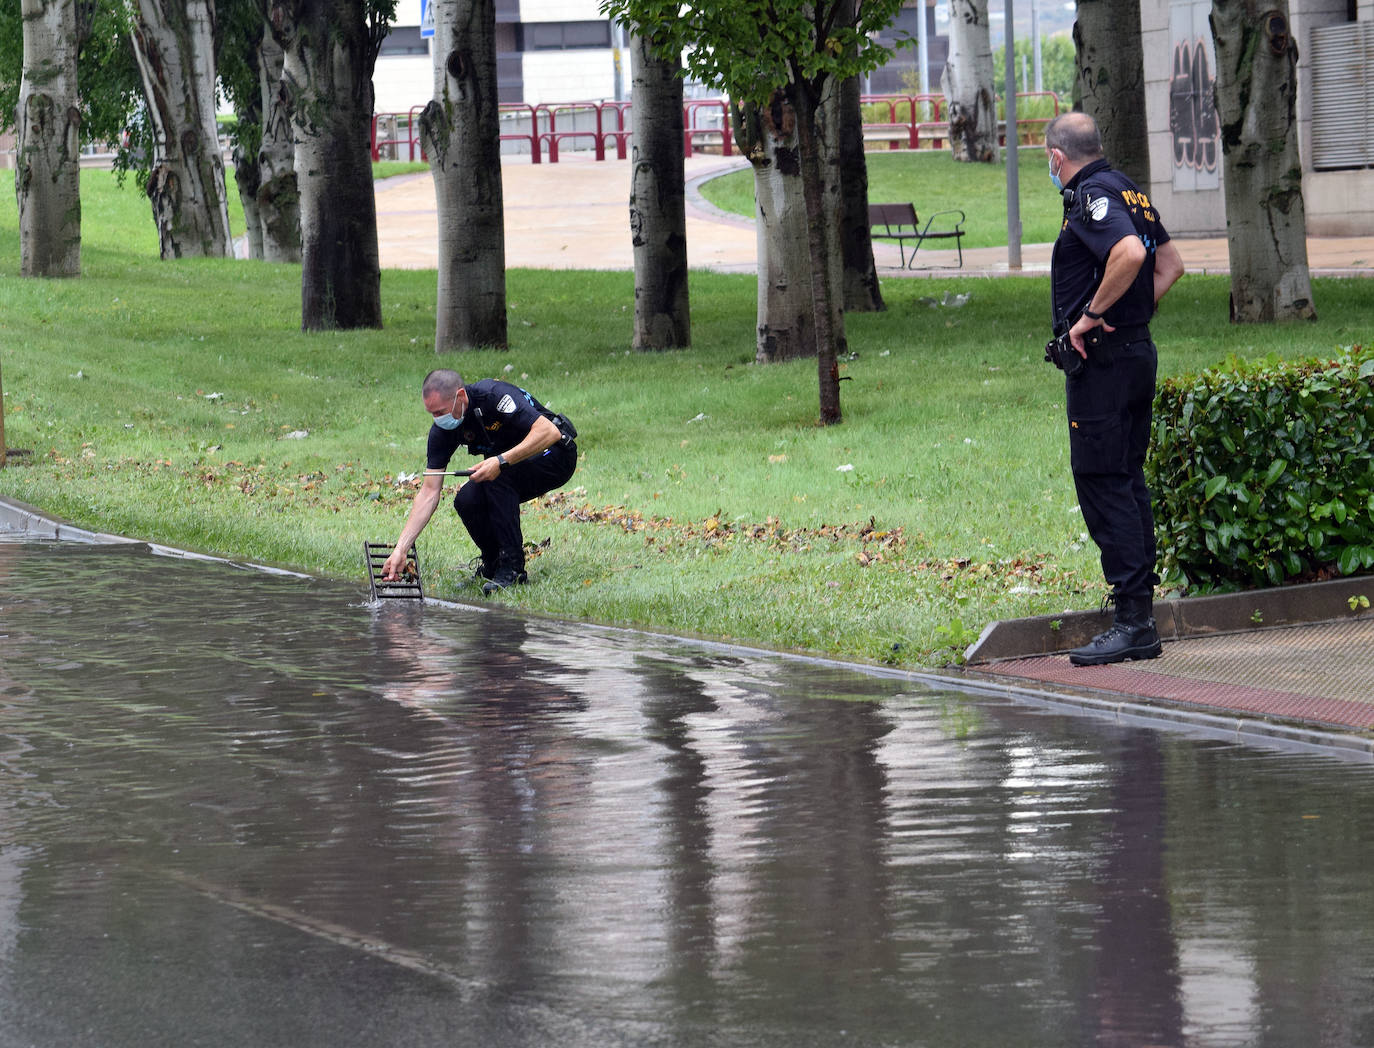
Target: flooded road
column 246, row 809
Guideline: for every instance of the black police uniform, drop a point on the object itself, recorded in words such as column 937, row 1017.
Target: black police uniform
column 498, row 417
column 1110, row 400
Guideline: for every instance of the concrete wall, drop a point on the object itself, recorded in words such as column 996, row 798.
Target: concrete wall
column 402, row 81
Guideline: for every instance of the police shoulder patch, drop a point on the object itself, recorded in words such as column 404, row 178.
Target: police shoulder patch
column 506, row 405
column 1097, row 208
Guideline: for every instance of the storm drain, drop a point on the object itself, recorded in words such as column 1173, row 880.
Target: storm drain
column 1322, row 673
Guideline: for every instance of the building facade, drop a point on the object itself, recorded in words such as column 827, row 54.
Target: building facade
column 1335, row 115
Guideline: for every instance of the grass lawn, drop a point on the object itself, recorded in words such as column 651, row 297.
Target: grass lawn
column 167, row 401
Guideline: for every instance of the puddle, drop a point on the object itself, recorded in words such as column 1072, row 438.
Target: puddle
column 245, row 809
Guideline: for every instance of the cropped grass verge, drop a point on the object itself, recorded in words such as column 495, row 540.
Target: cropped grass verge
column 180, row 402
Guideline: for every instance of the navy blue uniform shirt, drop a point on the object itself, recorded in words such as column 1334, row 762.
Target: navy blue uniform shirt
column 1101, row 207
column 498, row 417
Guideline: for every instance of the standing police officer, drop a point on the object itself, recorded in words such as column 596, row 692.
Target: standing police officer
column 527, row 450
column 1112, row 263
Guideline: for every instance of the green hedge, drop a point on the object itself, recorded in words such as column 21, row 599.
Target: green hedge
column 1261, row 472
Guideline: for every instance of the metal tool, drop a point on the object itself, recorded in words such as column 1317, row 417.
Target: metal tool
column 407, row 586
column 447, row 473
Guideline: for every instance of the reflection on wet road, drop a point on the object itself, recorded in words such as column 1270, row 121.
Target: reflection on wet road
column 240, row 809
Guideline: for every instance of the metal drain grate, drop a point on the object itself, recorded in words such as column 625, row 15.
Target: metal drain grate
column 408, row 586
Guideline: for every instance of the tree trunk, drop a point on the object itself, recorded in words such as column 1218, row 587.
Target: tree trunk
column 248, row 176
column 1110, row 82
column 327, row 75
column 174, row 47
column 658, row 212
column 462, row 134
column 47, row 175
column 278, row 199
column 786, row 324
column 861, row 291
column 820, row 227
column 967, row 83
column 1266, row 224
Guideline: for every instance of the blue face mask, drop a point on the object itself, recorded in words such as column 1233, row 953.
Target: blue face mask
column 1054, row 176
column 447, row 421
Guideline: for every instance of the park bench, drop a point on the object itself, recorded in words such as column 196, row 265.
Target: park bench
column 899, row 222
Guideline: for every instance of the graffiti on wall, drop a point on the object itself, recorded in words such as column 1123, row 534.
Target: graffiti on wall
column 1192, row 114
column 1193, row 128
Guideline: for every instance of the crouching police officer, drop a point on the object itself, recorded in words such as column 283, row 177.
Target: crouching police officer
column 527, row 450
column 1112, row 263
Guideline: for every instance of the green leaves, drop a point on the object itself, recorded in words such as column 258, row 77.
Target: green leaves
column 748, row 49
column 1261, row 471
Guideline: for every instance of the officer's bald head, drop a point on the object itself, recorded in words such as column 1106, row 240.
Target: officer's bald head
column 443, row 381
column 1075, row 135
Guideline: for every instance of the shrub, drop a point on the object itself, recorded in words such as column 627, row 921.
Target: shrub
column 1261, row 472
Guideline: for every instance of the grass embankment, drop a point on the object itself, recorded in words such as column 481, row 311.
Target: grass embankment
column 164, row 400
column 932, row 181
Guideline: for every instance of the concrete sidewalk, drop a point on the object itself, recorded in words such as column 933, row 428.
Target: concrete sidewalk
column 1296, row 655
column 575, row 215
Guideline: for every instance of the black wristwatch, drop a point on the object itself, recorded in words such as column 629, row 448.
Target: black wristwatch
column 501, row 461
column 1090, row 314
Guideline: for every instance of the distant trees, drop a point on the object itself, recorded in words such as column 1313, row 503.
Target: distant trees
column 967, row 83
column 174, row 46
column 1266, row 222
column 462, row 133
column 48, row 149
column 1110, row 81
column 330, row 50
column 658, row 218
column 250, row 63
column 779, row 56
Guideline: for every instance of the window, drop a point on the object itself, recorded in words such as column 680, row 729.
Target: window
column 404, row 40
column 563, row 36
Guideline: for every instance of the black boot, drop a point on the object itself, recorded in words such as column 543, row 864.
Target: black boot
column 1132, row 636
column 483, row 568
column 510, row 571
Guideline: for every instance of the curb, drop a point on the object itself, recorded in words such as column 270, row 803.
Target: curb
column 1227, row 613
column 1179, row 618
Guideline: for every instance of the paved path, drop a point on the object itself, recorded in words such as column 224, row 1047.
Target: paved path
column 575, row 215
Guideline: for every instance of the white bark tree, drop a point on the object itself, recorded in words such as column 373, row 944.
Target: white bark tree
column 462, row 134
column 174, row 45
column 278, row 198
column 968, row 86
column 1266, row 223
column 786, row 326
column 1109, row 82
column 658, row 208
column 331, row 48
column 47, row 176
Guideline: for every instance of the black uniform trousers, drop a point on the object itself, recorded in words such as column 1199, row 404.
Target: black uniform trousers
column 1109, row 407
column 491, row 509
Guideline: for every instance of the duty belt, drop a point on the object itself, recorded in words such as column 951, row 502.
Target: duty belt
column 1126, row 333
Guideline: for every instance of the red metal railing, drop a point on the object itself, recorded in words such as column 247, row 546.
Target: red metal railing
column 911, row 122
column 1029, row 130
column 692, row 111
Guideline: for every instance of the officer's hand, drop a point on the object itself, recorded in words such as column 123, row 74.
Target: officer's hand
column 394, row 566
column 1080, row 328
column 487, row 469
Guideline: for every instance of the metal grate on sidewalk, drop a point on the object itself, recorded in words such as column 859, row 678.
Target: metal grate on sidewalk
column 1318, row 673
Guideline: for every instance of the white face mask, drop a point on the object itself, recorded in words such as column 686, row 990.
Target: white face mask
column 447, row 421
